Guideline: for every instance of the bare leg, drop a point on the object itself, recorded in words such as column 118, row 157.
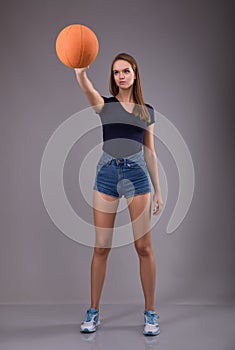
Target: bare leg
column 140, row 212
column 104, row 209
column 147, row 269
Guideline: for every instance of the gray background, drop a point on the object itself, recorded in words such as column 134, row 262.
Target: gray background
column 186, row 61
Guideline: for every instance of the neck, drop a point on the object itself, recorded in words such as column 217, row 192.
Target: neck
column 125, row 95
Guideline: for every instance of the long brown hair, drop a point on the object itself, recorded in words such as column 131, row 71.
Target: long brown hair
column 140, row 109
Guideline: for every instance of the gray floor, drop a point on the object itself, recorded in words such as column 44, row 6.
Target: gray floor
column 183, row 327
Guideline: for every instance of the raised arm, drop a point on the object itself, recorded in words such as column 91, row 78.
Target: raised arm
column 95, row 99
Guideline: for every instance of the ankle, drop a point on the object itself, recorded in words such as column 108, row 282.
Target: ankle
column 150, row 308
column 94, row 306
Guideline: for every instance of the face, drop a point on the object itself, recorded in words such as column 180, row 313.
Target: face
column 123, row 74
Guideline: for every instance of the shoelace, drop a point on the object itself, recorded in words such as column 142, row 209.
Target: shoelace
column 90, row 314
column 152, row 318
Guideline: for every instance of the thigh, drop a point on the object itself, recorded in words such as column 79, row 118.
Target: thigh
column 104, row 211
column 140, row 213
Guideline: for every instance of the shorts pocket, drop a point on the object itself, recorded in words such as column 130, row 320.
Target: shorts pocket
column 101, row 164
column 137, row 165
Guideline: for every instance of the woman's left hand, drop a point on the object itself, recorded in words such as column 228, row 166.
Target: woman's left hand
column 157, row 202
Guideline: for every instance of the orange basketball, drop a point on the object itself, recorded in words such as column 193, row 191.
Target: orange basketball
column 77, row 46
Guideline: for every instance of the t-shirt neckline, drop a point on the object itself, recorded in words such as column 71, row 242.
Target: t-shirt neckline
column 131, row 113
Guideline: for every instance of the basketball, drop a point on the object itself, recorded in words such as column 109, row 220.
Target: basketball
column 77, row 46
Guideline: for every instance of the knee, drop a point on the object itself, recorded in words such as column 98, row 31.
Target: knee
column 143, row 250
column 102, row 252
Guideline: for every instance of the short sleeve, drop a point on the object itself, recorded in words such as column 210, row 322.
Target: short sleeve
column 152, row 114
column 106, row 100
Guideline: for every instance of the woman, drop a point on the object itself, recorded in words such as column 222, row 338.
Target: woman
column 128, row 158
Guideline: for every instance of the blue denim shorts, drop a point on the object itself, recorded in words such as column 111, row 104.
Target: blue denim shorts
column 122, row 176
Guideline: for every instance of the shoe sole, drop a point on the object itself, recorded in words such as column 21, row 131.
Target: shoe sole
column 86, row 330
column 151, row 333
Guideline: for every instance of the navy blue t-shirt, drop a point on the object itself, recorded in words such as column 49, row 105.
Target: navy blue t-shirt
column 123, row 132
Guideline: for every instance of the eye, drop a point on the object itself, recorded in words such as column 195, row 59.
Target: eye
column 115, row 72
column 127, row 71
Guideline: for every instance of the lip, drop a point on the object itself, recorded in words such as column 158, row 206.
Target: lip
column 122, row 82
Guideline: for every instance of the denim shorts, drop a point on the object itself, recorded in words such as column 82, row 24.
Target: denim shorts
column 122, row 176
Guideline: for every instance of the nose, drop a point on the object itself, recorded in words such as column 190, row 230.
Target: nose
column 121, row 75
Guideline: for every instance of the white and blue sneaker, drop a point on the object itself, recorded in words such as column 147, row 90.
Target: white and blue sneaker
column 151, row 326
column 91, row 322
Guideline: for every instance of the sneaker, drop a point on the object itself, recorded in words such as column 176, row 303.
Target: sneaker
column 91, row 322
column 151, row 326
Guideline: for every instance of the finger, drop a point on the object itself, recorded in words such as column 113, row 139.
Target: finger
column 155, row 209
